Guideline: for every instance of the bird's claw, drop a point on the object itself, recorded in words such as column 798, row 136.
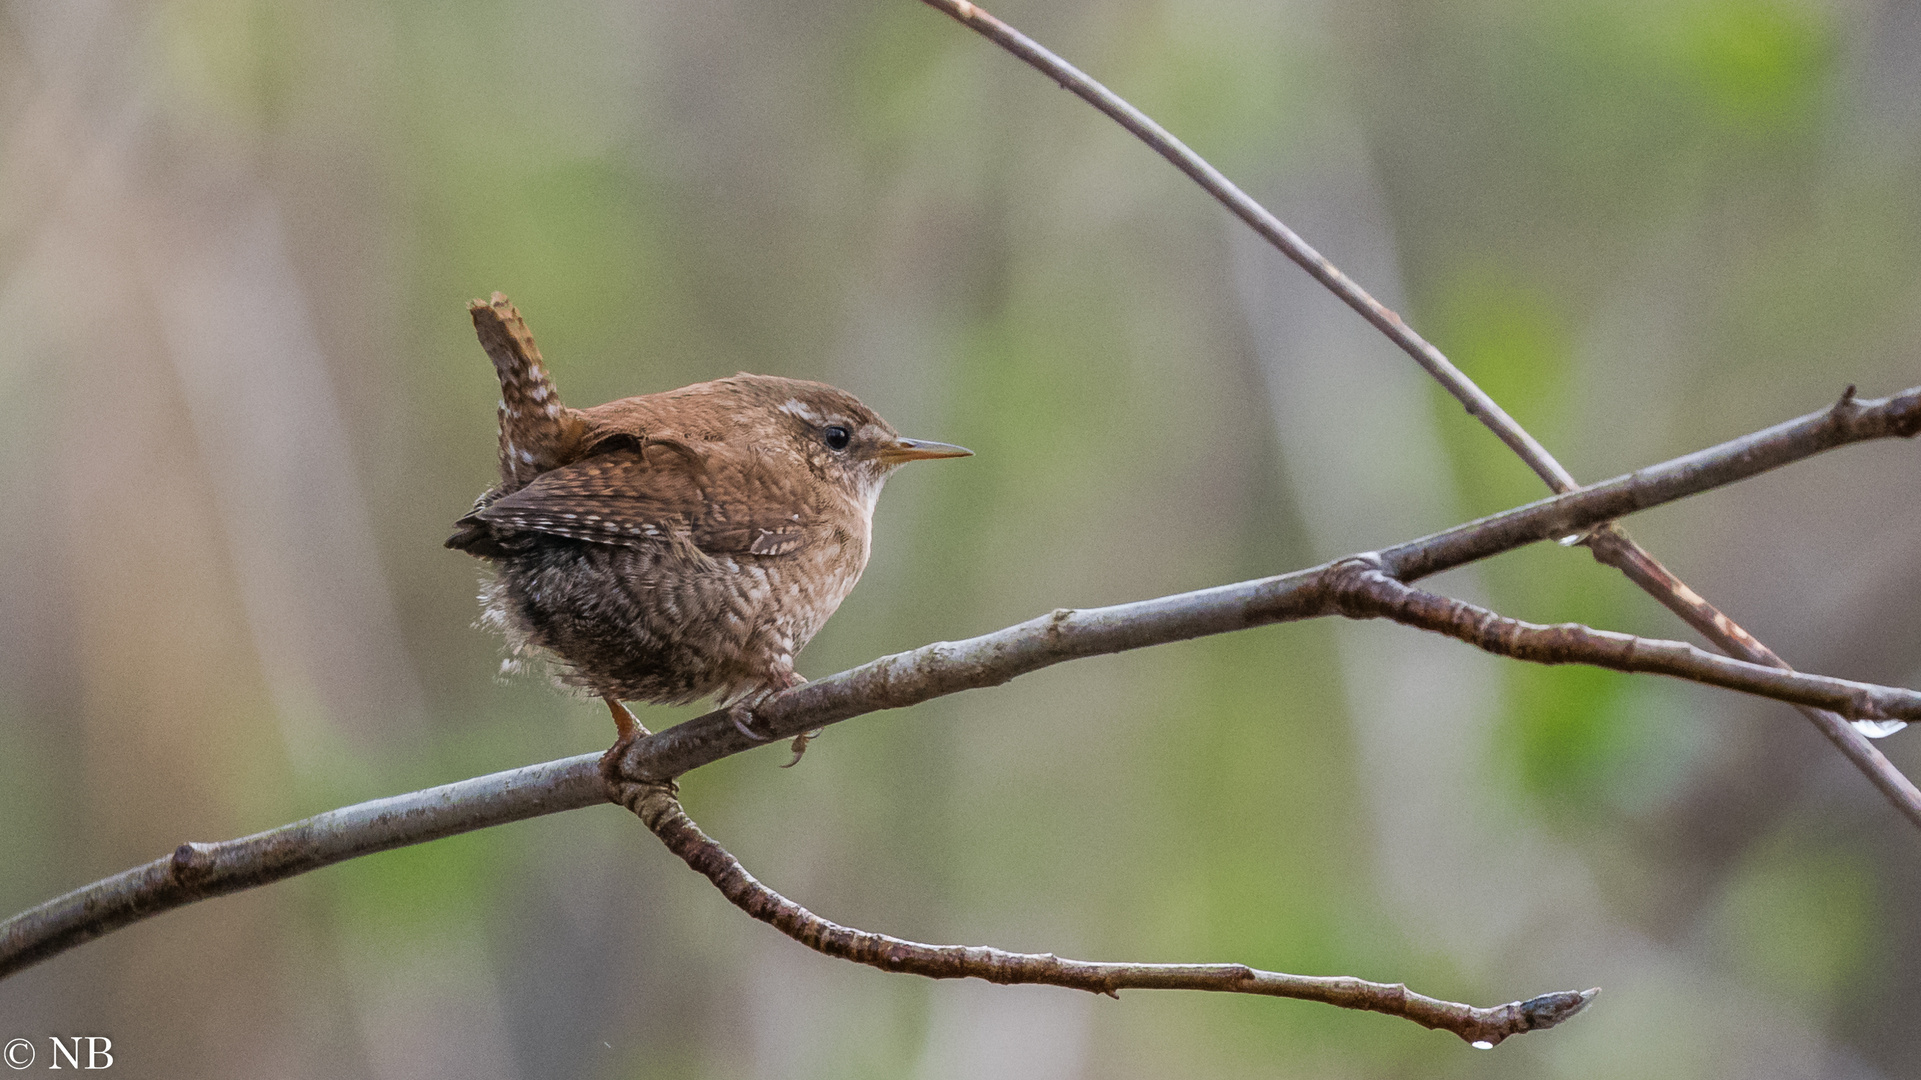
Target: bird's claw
column 799, row 745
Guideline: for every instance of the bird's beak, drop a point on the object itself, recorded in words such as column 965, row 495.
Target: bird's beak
column 916, row 449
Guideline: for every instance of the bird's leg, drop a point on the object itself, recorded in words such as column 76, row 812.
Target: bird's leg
column 624, row 723
column 628, row 731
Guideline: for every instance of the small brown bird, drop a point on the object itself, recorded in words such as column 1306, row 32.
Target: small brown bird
column 670, row 546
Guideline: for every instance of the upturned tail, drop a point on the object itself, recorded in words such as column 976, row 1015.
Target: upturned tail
column 537, row 432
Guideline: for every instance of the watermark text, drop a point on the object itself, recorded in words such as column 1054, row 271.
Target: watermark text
column 59, row 1052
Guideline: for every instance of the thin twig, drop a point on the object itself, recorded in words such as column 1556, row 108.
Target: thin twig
column 656, row 805
column 1846, row 421
column 198, row 871
column 1071, row 78
column 1612, row 547
column 1358, row 589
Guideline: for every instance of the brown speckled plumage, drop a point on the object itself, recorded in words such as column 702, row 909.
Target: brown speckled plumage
column 667, row 547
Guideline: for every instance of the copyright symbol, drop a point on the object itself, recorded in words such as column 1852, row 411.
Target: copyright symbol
column 19, row 1054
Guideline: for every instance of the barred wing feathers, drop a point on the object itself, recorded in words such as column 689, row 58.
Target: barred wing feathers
column 723, row 501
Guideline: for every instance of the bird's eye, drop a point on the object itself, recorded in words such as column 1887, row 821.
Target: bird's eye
column 837, row 437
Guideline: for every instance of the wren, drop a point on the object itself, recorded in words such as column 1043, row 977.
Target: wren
column 672, row 546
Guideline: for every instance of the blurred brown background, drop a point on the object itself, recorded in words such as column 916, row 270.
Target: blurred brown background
column 243, row 405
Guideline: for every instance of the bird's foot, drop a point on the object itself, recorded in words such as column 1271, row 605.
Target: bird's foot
column 742, row 714
column 610, row 761
column 787, row 680
column 799, row 745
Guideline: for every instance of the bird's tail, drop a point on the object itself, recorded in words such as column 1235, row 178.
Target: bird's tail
column 537, row 432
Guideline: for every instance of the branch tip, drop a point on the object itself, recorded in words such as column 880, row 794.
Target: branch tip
column 1550, row 1009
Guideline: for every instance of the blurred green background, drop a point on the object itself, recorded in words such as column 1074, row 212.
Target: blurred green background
column 243, row 405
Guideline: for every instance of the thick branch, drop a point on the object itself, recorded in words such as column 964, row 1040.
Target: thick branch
column 200, row 871
column 656, row 805
column 906, row 678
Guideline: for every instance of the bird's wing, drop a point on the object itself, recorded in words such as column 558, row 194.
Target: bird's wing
column 662, row 492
